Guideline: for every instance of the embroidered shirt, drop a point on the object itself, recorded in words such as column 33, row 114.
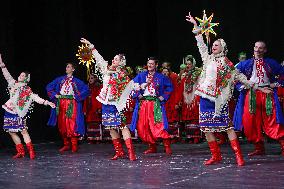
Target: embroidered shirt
column 67, row 88
column 150, row 90
column 259, row 75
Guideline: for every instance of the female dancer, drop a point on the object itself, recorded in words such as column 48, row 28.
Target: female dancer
column 114, row 82
column 16, row 109
column 215, row 88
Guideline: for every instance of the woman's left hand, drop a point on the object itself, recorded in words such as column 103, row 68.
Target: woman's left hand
column 190, row 19
column 52, row 105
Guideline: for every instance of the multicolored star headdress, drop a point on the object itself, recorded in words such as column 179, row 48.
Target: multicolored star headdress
column 206, row 25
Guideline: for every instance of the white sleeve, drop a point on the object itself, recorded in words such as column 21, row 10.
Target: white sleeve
column 202, row 47
column 38, row 99
column 100, row 62
column 8, row 76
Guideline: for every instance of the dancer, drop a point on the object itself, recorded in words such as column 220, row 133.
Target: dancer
column 149, row 114
column 68, row 92
column 260, row 111
column 17, row 108
column 93, row 110
column 114, row 82
column 215, row 90
column 172, row 106
column 189, row 101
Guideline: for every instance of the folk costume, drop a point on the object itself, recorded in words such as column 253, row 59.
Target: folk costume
column 215, row 89
column 69, row 111
column 17, row 109
column 170, row 107
column 93, row 113
column 114, row 82
column 149, row 116
column 190, row 102
column 257, row 111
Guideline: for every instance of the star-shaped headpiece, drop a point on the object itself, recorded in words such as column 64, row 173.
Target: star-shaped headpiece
column 206, row 25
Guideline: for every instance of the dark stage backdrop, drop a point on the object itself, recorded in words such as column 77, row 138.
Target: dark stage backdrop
column 42, row 35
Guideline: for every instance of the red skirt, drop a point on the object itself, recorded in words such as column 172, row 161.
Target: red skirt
column 190, row 113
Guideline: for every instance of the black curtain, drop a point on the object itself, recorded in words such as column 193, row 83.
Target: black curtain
column 42, row 35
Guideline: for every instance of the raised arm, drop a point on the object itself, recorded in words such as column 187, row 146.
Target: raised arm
column 6, row 73
column 202, row 47
column 100, row 62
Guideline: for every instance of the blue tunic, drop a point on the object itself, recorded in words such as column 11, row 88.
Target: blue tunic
column 272, row 69
column 81, row 91
column 163, row 87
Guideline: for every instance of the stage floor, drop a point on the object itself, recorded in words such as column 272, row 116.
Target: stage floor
column 91, row 168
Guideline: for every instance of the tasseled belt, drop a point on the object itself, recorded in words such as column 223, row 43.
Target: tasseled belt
column 69, row 111
column 157, row 108
column 252, row 103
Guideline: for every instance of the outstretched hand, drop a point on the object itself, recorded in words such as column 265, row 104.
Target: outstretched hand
column 85, row 41
column 52, row 105
column 190, row 19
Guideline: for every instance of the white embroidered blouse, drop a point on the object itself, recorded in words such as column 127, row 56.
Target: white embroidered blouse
column 21, row 96
column 108, row 93
column 216, row 81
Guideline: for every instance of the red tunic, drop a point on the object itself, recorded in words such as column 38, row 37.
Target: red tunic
column 172, row 112
column 189, row 112
column 92, row 107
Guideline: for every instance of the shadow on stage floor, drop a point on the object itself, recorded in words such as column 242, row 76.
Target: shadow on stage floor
column 91, row 168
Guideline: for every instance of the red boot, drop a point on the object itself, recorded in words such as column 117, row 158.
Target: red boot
column 239, row 156
column 282, row 146
column 20, row 151
column 152, row 149
column 74, row 143
column 216, row 153
column 66, row 146
column 167, row 146
column 259, row 149
column 31, row 150
column 119, row 153
column 130, row 149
